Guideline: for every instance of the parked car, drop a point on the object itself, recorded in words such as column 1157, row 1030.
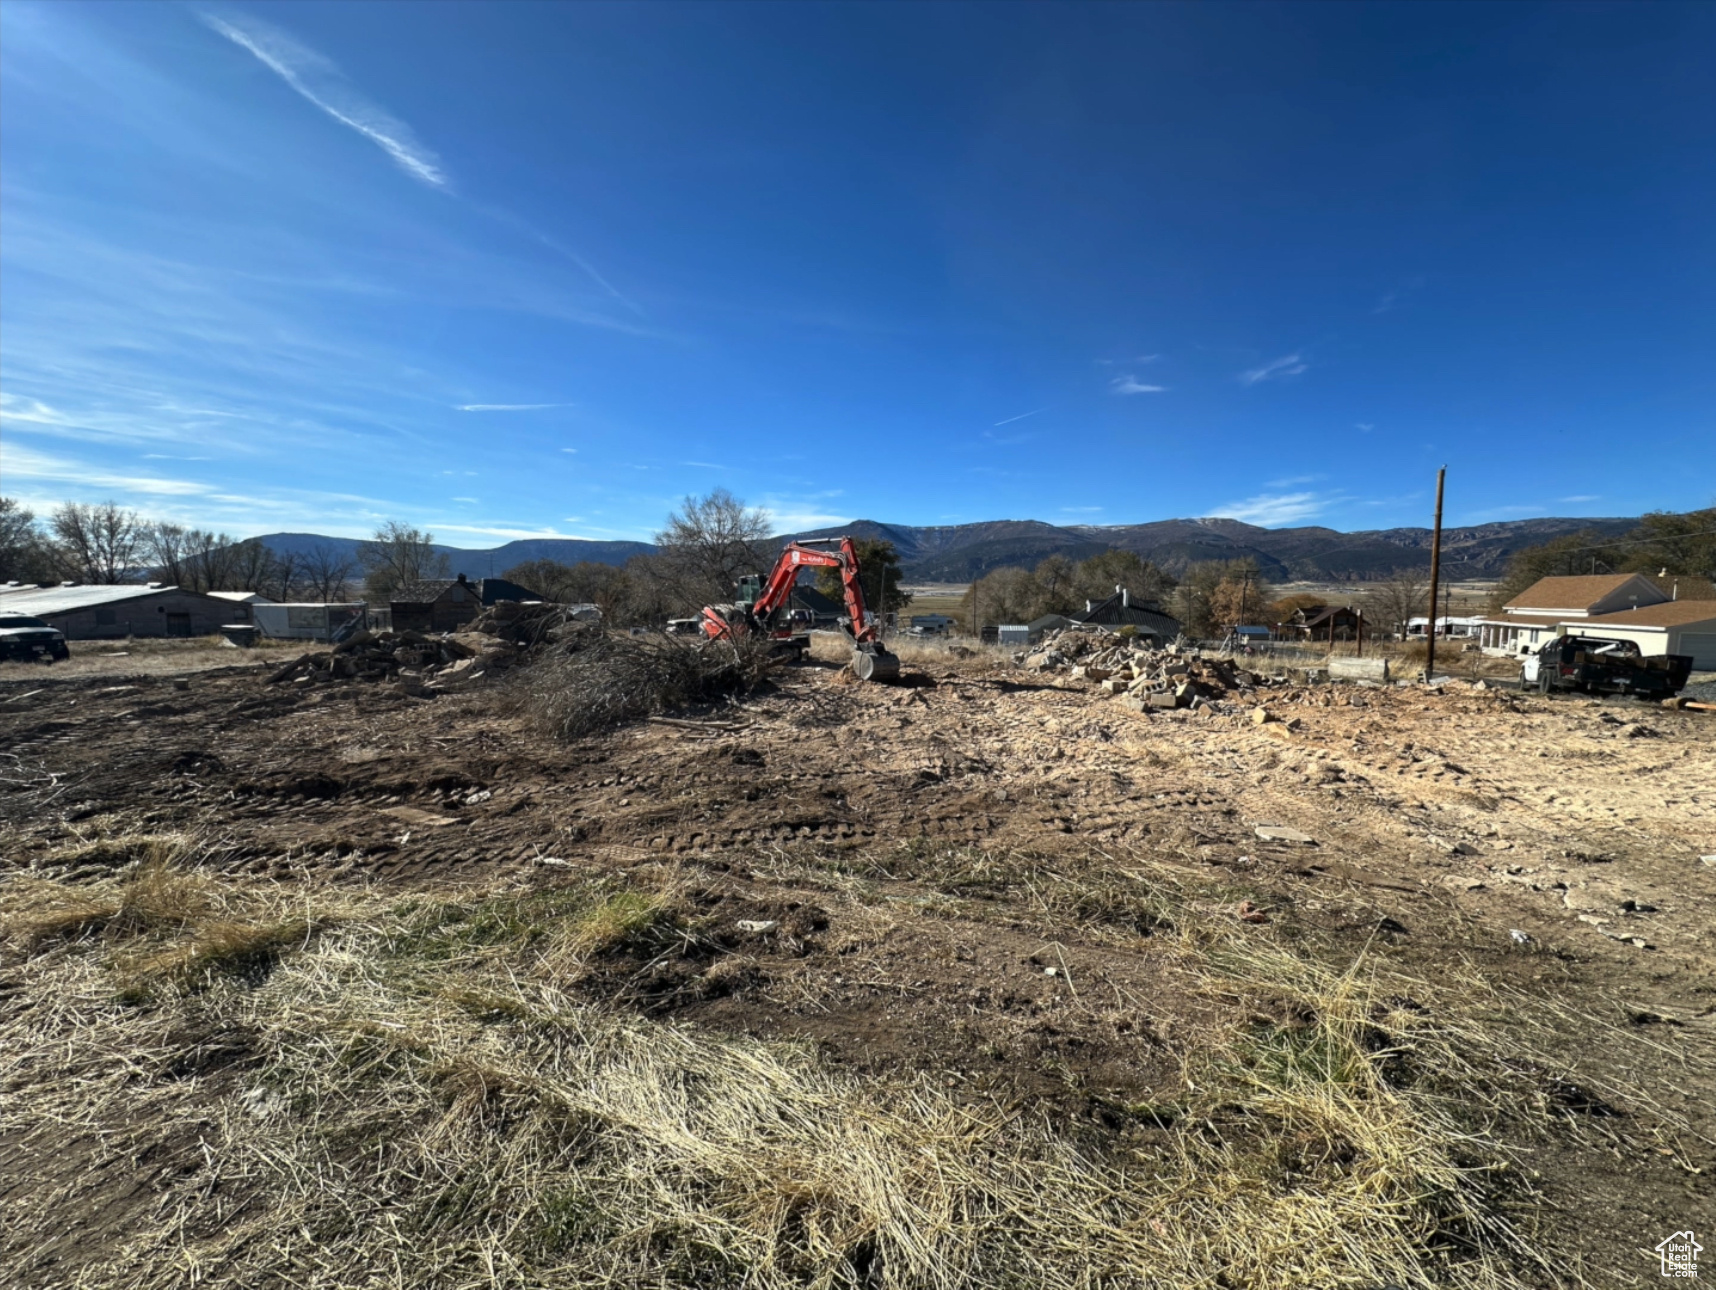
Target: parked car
column 29, row 640
column 1603, row 667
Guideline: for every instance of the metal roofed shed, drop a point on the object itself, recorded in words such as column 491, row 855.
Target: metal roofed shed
column 311, row 621
column 100, row 612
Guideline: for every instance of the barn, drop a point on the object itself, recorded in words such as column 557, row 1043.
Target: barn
column 91, row 613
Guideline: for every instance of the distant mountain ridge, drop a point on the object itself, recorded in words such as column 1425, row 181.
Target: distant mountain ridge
column 483, row 562
column 961, row 552
column 1313, row 554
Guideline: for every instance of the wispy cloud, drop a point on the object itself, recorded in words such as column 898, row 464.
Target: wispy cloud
column 1289, row 365
column 25, row 463
column 1129, row 362
column 1291, row 480
column 1271, row 509
column 704, row 465
column 322, row 83
column 1080, row 510
column 1010, row 420
column 1132, row 385
column 1391, row 299
column 1582, row 497
column 506, row 407
column 568, row 450
column 1364, row 427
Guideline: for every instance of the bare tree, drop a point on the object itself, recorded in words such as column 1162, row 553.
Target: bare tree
column 253, row 566
column 211, row 561
column 1396, row 601
column 326, row 571
column 166, row 547
column 283, row 574
column 710, row 543
column 98, row 541
column 398, row 555
column 24, row 553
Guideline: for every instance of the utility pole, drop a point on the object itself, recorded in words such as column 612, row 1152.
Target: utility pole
column 1435, row 579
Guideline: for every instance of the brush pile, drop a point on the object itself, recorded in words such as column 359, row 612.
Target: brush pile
column 595, row 680
column 501, row 637
column 1148, row 675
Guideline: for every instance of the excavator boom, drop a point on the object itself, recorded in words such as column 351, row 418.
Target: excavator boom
column 871, row 659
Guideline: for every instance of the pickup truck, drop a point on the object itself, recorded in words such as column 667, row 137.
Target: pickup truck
column 1603, row 667
column 27, row 640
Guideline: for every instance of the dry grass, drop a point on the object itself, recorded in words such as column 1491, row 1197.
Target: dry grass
column 425, row 1100
column 149, row 656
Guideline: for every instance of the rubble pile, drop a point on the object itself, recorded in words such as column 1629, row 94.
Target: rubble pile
column 531, row 624
column 420, row 663
column 1145, row 675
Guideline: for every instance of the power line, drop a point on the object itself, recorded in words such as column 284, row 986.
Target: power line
column 1598, row 546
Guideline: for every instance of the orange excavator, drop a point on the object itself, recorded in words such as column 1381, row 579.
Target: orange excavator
column 761, row 606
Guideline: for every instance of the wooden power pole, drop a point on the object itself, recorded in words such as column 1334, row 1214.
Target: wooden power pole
column 1435, row 580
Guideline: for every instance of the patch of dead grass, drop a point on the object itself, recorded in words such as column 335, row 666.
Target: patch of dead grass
column 426, row 1105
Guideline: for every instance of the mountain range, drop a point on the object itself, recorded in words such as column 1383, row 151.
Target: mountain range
column 961, row 552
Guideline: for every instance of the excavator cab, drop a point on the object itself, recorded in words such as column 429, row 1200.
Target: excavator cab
column 760, row 605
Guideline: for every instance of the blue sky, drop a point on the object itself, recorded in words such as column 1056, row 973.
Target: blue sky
column 543, row 269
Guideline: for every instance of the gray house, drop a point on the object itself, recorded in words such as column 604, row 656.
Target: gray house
column 88, row 613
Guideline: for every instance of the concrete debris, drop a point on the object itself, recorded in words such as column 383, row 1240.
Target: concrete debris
column 1128, row 668
column 1281, row 833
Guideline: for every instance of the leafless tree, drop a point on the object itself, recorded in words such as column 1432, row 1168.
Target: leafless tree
column 24, row 553
column 285, row 568
column 167, row 550
column 399, row 554
column 98, row 541
column 710, row 543
column 1397, row 600
column 326, row 571
column 211, row 561
column 253, row 566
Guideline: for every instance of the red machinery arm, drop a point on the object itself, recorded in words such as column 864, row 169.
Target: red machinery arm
column 799, row 555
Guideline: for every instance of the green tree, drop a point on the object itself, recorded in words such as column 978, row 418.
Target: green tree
column 878, row 575
column 1683, row 543
column 1574, row 553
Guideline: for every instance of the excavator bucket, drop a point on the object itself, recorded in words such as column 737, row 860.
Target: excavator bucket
column 872, row 662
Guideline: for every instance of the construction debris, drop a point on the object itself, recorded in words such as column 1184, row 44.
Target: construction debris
column 421, row 663
column 1147, row 675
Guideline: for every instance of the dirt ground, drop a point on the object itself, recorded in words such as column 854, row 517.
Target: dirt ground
column 886, row 866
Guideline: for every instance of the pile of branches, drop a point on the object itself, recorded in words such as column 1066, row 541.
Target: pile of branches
column 597, row 680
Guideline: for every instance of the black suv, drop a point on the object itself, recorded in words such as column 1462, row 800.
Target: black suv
column 30, row 640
